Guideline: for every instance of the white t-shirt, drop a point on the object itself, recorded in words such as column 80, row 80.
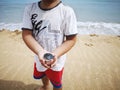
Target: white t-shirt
column 49, row 28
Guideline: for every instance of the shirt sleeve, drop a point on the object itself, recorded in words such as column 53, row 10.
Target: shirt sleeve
column 70, row 23
column 27, row 19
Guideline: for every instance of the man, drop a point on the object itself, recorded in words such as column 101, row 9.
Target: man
column 49, row 27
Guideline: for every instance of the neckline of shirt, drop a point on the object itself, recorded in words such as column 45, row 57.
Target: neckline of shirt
column 49, row 8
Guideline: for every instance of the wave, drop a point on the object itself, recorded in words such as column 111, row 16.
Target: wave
column 10, row 26
column 83, row 27
column 99, row 28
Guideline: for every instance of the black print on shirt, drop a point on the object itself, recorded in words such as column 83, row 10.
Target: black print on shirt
column 37, row 24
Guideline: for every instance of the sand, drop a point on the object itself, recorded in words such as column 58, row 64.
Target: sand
column 93, row 64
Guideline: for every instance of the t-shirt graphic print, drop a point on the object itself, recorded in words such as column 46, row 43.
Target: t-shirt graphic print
column 43, row 33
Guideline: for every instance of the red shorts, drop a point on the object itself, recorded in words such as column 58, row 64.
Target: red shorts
column 54, row 76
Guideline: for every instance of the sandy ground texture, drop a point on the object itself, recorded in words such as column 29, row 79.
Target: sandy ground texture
column 93, row 64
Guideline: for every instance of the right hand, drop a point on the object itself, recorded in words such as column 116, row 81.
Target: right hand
column 41, row 58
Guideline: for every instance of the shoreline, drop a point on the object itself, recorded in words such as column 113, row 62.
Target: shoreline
column 84, row 28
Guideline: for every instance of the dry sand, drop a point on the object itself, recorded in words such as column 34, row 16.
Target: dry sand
column 93, row 64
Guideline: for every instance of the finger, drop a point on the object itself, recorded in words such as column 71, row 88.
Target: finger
column 44, row 64
column 41, row 61
column 54, row 62
column 52, row 65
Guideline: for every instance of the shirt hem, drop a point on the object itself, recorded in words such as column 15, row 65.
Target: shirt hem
column 71, row 34
column 26, row 29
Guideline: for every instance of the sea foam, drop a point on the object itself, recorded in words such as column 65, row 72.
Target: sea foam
column 10, row 26
column 98, row 28
column 83, row 27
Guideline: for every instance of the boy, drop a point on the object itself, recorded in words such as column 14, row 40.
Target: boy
column 49, row 27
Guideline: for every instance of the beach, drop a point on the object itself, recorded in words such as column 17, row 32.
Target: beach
column 92, row 64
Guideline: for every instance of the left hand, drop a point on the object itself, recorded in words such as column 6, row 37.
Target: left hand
column 54, row 60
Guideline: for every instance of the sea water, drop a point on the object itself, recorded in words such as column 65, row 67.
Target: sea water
column 93, row 16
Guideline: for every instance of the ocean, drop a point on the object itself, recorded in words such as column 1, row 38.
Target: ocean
column 93, row 16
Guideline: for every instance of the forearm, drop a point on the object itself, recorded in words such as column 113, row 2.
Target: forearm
column 31, row 42
column 66, row 46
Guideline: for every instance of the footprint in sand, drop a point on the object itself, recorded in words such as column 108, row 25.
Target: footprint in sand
column 89, row 44
column 92, row 35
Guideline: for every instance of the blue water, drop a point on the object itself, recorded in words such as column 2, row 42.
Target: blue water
column 97, row 10
column 93, row 16
column 86, row 10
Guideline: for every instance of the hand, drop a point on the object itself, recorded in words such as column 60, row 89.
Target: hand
column 50, row 59
column 54, row 60
column 41, row 58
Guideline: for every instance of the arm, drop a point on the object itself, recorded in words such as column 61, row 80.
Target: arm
column 66, row 46
column 31, row 42
column 34, row 46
